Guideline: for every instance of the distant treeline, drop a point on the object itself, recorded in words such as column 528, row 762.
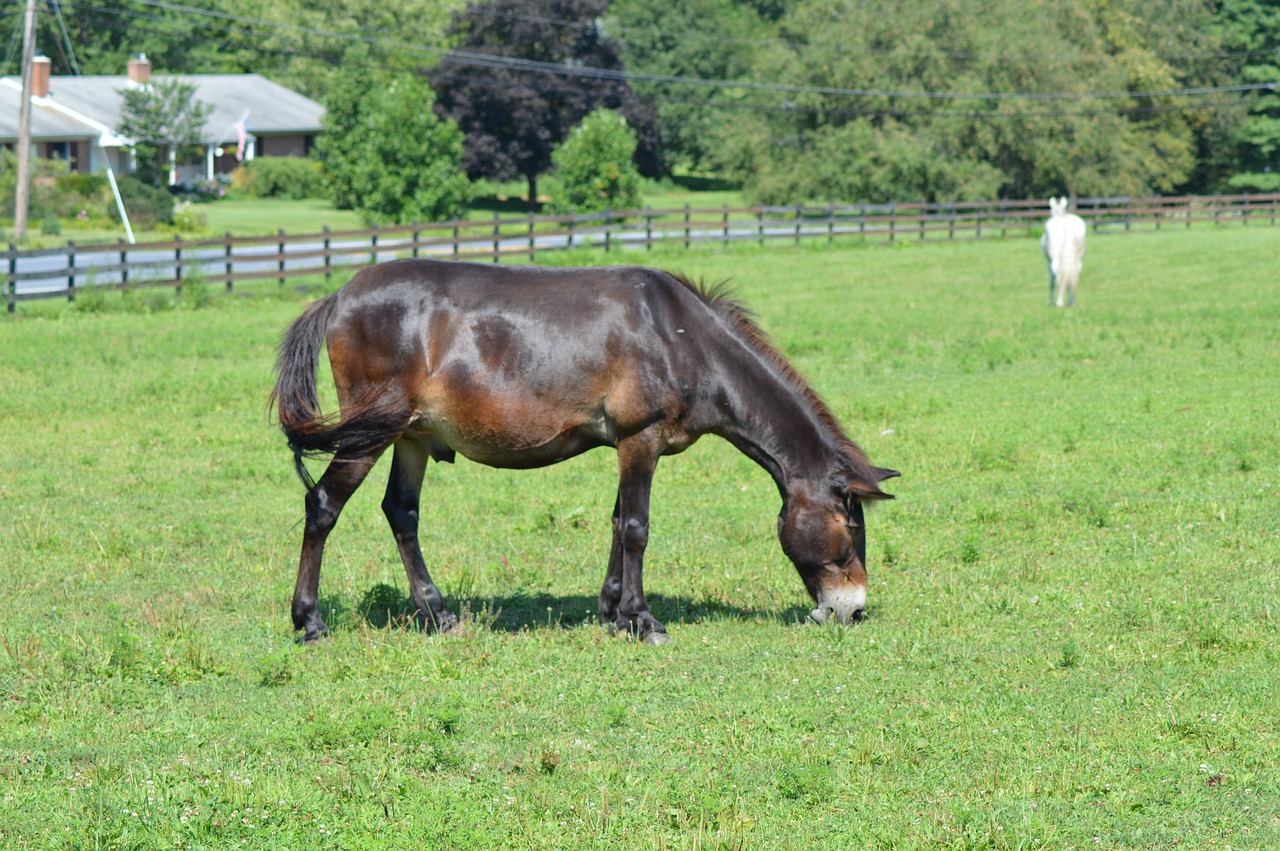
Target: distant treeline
column 829, row 100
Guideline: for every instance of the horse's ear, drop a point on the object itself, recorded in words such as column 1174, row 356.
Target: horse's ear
column 863, row 490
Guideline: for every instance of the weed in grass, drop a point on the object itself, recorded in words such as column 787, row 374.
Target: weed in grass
column 384, row 605
column 277, row 669
column 195, row 293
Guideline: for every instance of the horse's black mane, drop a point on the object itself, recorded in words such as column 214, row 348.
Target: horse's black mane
column 721, row 296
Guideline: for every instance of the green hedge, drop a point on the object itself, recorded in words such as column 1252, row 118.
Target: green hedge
column 279, row 177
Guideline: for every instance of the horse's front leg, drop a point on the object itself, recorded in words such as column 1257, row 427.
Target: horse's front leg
column 611, row 593
column 622, row 602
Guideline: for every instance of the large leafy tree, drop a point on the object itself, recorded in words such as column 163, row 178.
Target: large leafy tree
column 701, row 39
column 387, row 155
column 515, row 115
column 910, row 133
column 161, row 118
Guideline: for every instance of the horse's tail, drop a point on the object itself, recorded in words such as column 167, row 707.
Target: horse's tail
column 365, row 427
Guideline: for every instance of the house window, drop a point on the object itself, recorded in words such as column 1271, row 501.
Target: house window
column 63, row 151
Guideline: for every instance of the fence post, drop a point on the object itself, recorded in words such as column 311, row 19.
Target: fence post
column 124, row 265
column 497, row 235
column 686, row 227
column 229, row 262
column 71, row 271
column 893, row 218
column 951, row 222
column 13, row 277
column 977, row 227
column 1245, row 207
column 177, row 263
column 1217, row 207
column 280, row 234
column 608, row 228
column 573, row 220
column 328, row 257
column 1275, row 202
column 455, row 237
column 373, row 245
column 831, row 222
column 760, row 224
column 414, row 237
column 648, row 228
column 532, row 241
column 924, row 216
column 799, row 219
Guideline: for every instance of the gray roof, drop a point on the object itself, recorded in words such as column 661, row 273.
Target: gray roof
column 272, row 108
column 45, row 123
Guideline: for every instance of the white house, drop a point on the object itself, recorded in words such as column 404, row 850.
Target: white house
column 75, row 119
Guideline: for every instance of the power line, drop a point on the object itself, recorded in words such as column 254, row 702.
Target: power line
column 545, row 86
column 533, row 65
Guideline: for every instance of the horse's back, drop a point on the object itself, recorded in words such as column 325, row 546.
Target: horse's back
column 513, row 366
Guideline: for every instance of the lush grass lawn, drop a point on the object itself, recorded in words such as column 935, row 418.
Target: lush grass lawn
column 1072, row 639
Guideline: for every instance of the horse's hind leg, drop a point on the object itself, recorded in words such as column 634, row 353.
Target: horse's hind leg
column 401, row 503
column 324, row 504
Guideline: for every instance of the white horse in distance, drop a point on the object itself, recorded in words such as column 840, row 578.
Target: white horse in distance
column 1063, row 244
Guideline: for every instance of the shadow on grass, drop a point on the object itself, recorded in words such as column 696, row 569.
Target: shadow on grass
column 384, row 605
column 696, row 183
column 507, row 204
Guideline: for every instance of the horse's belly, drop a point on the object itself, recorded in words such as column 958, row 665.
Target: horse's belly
column 518, row 433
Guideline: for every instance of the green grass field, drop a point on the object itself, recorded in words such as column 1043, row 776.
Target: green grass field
column 1072, row 637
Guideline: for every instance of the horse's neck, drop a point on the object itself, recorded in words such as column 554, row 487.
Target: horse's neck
column 772, row 423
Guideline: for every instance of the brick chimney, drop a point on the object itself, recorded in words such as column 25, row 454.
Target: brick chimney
column 40, row 67
column 139, row 69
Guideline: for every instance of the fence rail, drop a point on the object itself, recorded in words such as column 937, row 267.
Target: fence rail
column 62, row 272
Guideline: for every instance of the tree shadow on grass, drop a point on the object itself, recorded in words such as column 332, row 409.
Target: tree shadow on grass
column 506, row 204
column 384, row 605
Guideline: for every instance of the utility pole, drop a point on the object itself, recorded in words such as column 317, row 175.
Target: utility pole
column 22, row 195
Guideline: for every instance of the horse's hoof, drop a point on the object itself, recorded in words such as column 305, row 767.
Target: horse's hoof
column 312, row 637
column 657, row 639
column 445, row 623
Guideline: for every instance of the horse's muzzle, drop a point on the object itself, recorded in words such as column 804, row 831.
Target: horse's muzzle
column 841, row 605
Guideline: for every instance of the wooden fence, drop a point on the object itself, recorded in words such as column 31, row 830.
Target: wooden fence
column 64, row 271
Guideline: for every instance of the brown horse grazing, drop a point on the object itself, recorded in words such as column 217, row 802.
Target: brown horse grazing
column 524, row 367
